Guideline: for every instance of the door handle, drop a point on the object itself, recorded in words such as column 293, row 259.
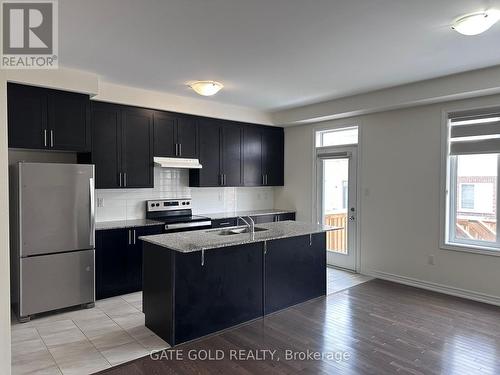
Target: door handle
column 51, row 138
column 44, row 137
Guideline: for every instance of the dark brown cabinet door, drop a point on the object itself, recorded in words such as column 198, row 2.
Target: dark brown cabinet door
column 164, row 134
column 231, row 155
column 187, row 135
column 295, row 271
column 272, row 156
column 209, row 154
column 106, row 145
column 68, row 121
column 252, row 156
column 27, row 116
column 137, row 143
column 111, row 263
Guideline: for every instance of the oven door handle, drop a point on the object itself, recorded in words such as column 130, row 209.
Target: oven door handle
column 193, row 225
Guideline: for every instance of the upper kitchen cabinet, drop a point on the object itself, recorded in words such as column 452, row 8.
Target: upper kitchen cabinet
column 263, row 161
column 209, row 155
column 122, row 146
column 220, row 153
column 48, row 119
column 165, row 144
column 273, row 156
column 137, row 147
column 69, row 121
column 175, row 135
column 252, row 156
column 187, row 136
column 231, row 154
column 106, row 145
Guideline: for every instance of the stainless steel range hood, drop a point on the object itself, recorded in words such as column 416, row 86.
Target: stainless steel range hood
column 177, row 163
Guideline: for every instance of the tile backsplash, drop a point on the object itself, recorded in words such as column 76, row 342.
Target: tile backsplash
column 169, row 183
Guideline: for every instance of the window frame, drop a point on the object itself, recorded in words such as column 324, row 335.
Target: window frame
column 448, row 239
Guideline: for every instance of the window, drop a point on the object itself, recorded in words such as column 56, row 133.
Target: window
column 337, row 137
column 472, row 181
column 467, row 199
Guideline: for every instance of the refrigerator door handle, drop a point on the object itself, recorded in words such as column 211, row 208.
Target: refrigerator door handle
column 92, row 212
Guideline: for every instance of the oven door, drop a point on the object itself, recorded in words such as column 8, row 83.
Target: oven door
column 184, row 227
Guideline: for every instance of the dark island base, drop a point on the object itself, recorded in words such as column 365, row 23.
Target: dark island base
column 184, row 299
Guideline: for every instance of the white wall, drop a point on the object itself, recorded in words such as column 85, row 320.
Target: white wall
column 171, row 183
column 400, row 192
column 4, row 236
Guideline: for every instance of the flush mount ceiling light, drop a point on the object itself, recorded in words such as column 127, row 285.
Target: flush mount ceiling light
column 206, row 88
column 476, row 23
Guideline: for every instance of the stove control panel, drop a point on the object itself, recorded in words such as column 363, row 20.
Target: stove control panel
column 168, row 204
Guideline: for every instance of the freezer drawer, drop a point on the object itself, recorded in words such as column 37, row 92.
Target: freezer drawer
column 55, row 281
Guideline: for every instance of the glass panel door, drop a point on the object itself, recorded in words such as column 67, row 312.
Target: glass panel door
column 337, row 204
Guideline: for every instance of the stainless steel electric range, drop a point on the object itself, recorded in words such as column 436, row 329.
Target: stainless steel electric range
column 176, row 214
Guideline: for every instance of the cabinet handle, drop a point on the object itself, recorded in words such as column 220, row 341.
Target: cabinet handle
column 224, row 179
column 180, row 149
column 176, row 149
column 124, row 179
column 263, row 180
column 134, row 237
column 44, row 137
column 225, row 223
column 52, row 138
column 266, row 178
column 265, row 247
column 120, row 174
column 129, row 237
column 202, row 258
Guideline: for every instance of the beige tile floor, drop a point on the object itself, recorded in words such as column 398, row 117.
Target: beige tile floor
column 338, row 279
column 87, row 341
column 83, row 341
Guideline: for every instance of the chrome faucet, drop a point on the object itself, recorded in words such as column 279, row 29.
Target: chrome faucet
column 250, row 225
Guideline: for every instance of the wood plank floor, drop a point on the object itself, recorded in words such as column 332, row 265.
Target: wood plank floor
column 374, row 328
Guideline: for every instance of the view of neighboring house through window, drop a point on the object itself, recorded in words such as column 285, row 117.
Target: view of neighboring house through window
column 473, row 163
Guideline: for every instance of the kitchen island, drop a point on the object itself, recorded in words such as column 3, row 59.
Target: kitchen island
column 199, row 282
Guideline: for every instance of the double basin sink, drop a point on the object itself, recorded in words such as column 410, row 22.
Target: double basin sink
column 236, row 230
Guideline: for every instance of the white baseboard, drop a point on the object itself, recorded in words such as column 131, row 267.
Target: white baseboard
column 468, row 294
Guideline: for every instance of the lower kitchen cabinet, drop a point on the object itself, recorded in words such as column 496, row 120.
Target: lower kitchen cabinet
column 118, row 260
column 294, row 271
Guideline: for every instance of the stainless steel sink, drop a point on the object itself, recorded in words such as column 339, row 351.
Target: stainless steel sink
column 231, row 231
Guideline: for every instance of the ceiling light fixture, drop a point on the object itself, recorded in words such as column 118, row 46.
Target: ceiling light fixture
column 476, row 23
column 206, row 88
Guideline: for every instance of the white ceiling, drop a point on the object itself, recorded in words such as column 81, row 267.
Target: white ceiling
column 272, row 54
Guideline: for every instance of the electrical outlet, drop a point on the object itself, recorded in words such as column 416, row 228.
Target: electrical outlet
column 100, row 202
column 430, row 260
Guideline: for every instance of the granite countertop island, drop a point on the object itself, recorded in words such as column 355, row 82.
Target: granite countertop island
column 189, row 292
column 187, row 242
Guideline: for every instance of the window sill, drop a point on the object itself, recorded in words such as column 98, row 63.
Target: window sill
column 471, row 249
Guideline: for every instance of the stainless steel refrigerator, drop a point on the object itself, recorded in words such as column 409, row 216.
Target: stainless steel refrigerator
column 52, row 249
